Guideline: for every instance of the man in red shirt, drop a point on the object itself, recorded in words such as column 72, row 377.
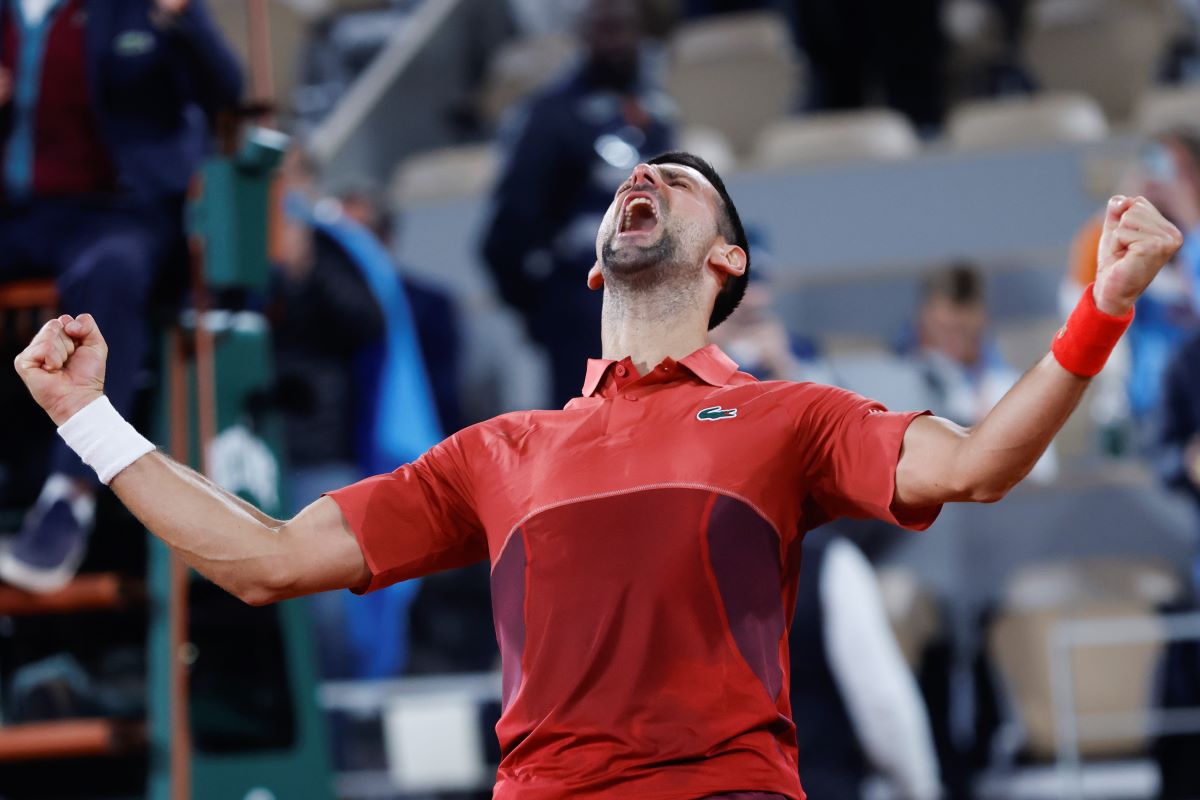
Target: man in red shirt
column 645, row 540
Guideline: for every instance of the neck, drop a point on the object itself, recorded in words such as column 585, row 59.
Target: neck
column 652, row 325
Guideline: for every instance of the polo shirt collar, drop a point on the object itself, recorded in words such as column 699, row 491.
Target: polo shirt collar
column 709, row 364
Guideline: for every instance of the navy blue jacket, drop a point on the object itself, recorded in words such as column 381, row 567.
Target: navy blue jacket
column 1179, row 416
column 555, row 188
column 154, row 90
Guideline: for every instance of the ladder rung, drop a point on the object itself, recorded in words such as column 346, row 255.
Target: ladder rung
column 89, row 592
column 69, row 738
column 29, row 294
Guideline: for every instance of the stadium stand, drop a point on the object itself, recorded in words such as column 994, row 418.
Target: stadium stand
column 866, row 135
column 711, row 145
column 719, row 58
column 1014, row 122
column 1166, row 107
column 521, row 67
column 1064, row 36
column 443, row 174
column 1021, row 637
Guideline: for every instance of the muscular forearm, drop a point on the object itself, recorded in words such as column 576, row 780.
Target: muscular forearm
column 246, row 552
column 942, row 462
column 220, row 535
column 1002, row 449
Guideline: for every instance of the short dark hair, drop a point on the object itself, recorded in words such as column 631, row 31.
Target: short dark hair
column 730, row 227
column 959, row 283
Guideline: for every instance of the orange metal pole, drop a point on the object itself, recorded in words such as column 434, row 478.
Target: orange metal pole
column 262, row 75
column 69, row 738
column 177, row 604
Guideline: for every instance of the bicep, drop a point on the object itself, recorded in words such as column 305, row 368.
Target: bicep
column 927, row 470
column 323, row 552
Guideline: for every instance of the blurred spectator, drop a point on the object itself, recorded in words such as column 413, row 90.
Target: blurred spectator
column 854, row 700
column 324, row 314
column 104, row 115
column 1178, row 460
column 864, row 52
column 1168, row 174
column 433, row 311
column 353, row 384
column 962, row 366
column 1006, row 73
column 573, row 147
column 756, row 338
column 1181, row 63
column 1179, row 431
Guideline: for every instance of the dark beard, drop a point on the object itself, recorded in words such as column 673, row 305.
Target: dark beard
column 640, row 264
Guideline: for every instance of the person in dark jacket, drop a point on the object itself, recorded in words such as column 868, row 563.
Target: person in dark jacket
column 105, row 109
column 1178, row 461
column 855, row 703
column 574, row 145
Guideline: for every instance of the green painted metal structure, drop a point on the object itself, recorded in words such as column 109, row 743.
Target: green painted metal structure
column 256, row 730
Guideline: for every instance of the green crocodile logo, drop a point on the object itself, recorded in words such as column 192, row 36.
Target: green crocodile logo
column 716, row 412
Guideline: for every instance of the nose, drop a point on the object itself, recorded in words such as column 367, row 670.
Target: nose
column 644, row 173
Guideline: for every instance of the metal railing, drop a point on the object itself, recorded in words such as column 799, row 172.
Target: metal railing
column 1072, row 728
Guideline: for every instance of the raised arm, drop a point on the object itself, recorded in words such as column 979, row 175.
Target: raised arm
column 246, row 552
column 942, row 462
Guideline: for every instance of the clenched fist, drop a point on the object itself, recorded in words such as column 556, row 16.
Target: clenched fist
column 1136, row 243
column 63, row 366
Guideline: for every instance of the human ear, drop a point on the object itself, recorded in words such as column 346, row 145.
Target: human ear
column 595, row 278
column 728, row 259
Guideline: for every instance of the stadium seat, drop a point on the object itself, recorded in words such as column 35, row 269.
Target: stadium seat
column 1163, row 108
column 1014, row 122
column 444, row 174
column 1038, row 598
column 1107, row 49
column 912, row 610
column 870, row 134
column 711, row 145
column 735, row 73
column 520, row 68
column 891, row 380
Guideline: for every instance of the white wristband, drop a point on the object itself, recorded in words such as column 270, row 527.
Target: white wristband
column 103, row 439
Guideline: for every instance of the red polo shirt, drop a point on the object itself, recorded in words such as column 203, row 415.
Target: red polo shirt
column 645, row 546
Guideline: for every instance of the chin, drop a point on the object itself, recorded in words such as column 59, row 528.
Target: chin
column 633, row 259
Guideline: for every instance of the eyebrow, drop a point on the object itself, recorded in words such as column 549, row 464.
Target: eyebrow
column 675, row 172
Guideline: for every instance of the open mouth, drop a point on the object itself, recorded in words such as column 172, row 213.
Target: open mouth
column 639, row 215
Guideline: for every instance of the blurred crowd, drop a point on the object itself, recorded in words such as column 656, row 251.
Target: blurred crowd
column 108, row 110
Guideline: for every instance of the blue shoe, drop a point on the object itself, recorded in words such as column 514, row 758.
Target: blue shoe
column 46, row 554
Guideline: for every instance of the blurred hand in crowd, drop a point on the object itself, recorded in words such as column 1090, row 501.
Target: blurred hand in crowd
column 6, row 86
column 172, row 7
column 1191, row 461
column 1171, row 180
column 756, row 338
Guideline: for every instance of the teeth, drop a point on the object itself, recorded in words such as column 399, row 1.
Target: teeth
column 631, row 205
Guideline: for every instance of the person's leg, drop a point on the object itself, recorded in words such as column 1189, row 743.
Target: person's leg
column 106, row 264
column 908, row 54
column 832, row 35
column 25, row 432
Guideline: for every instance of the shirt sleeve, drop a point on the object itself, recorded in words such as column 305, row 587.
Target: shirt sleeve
column 881, row 695
column 417, row 520
column 853, row 445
